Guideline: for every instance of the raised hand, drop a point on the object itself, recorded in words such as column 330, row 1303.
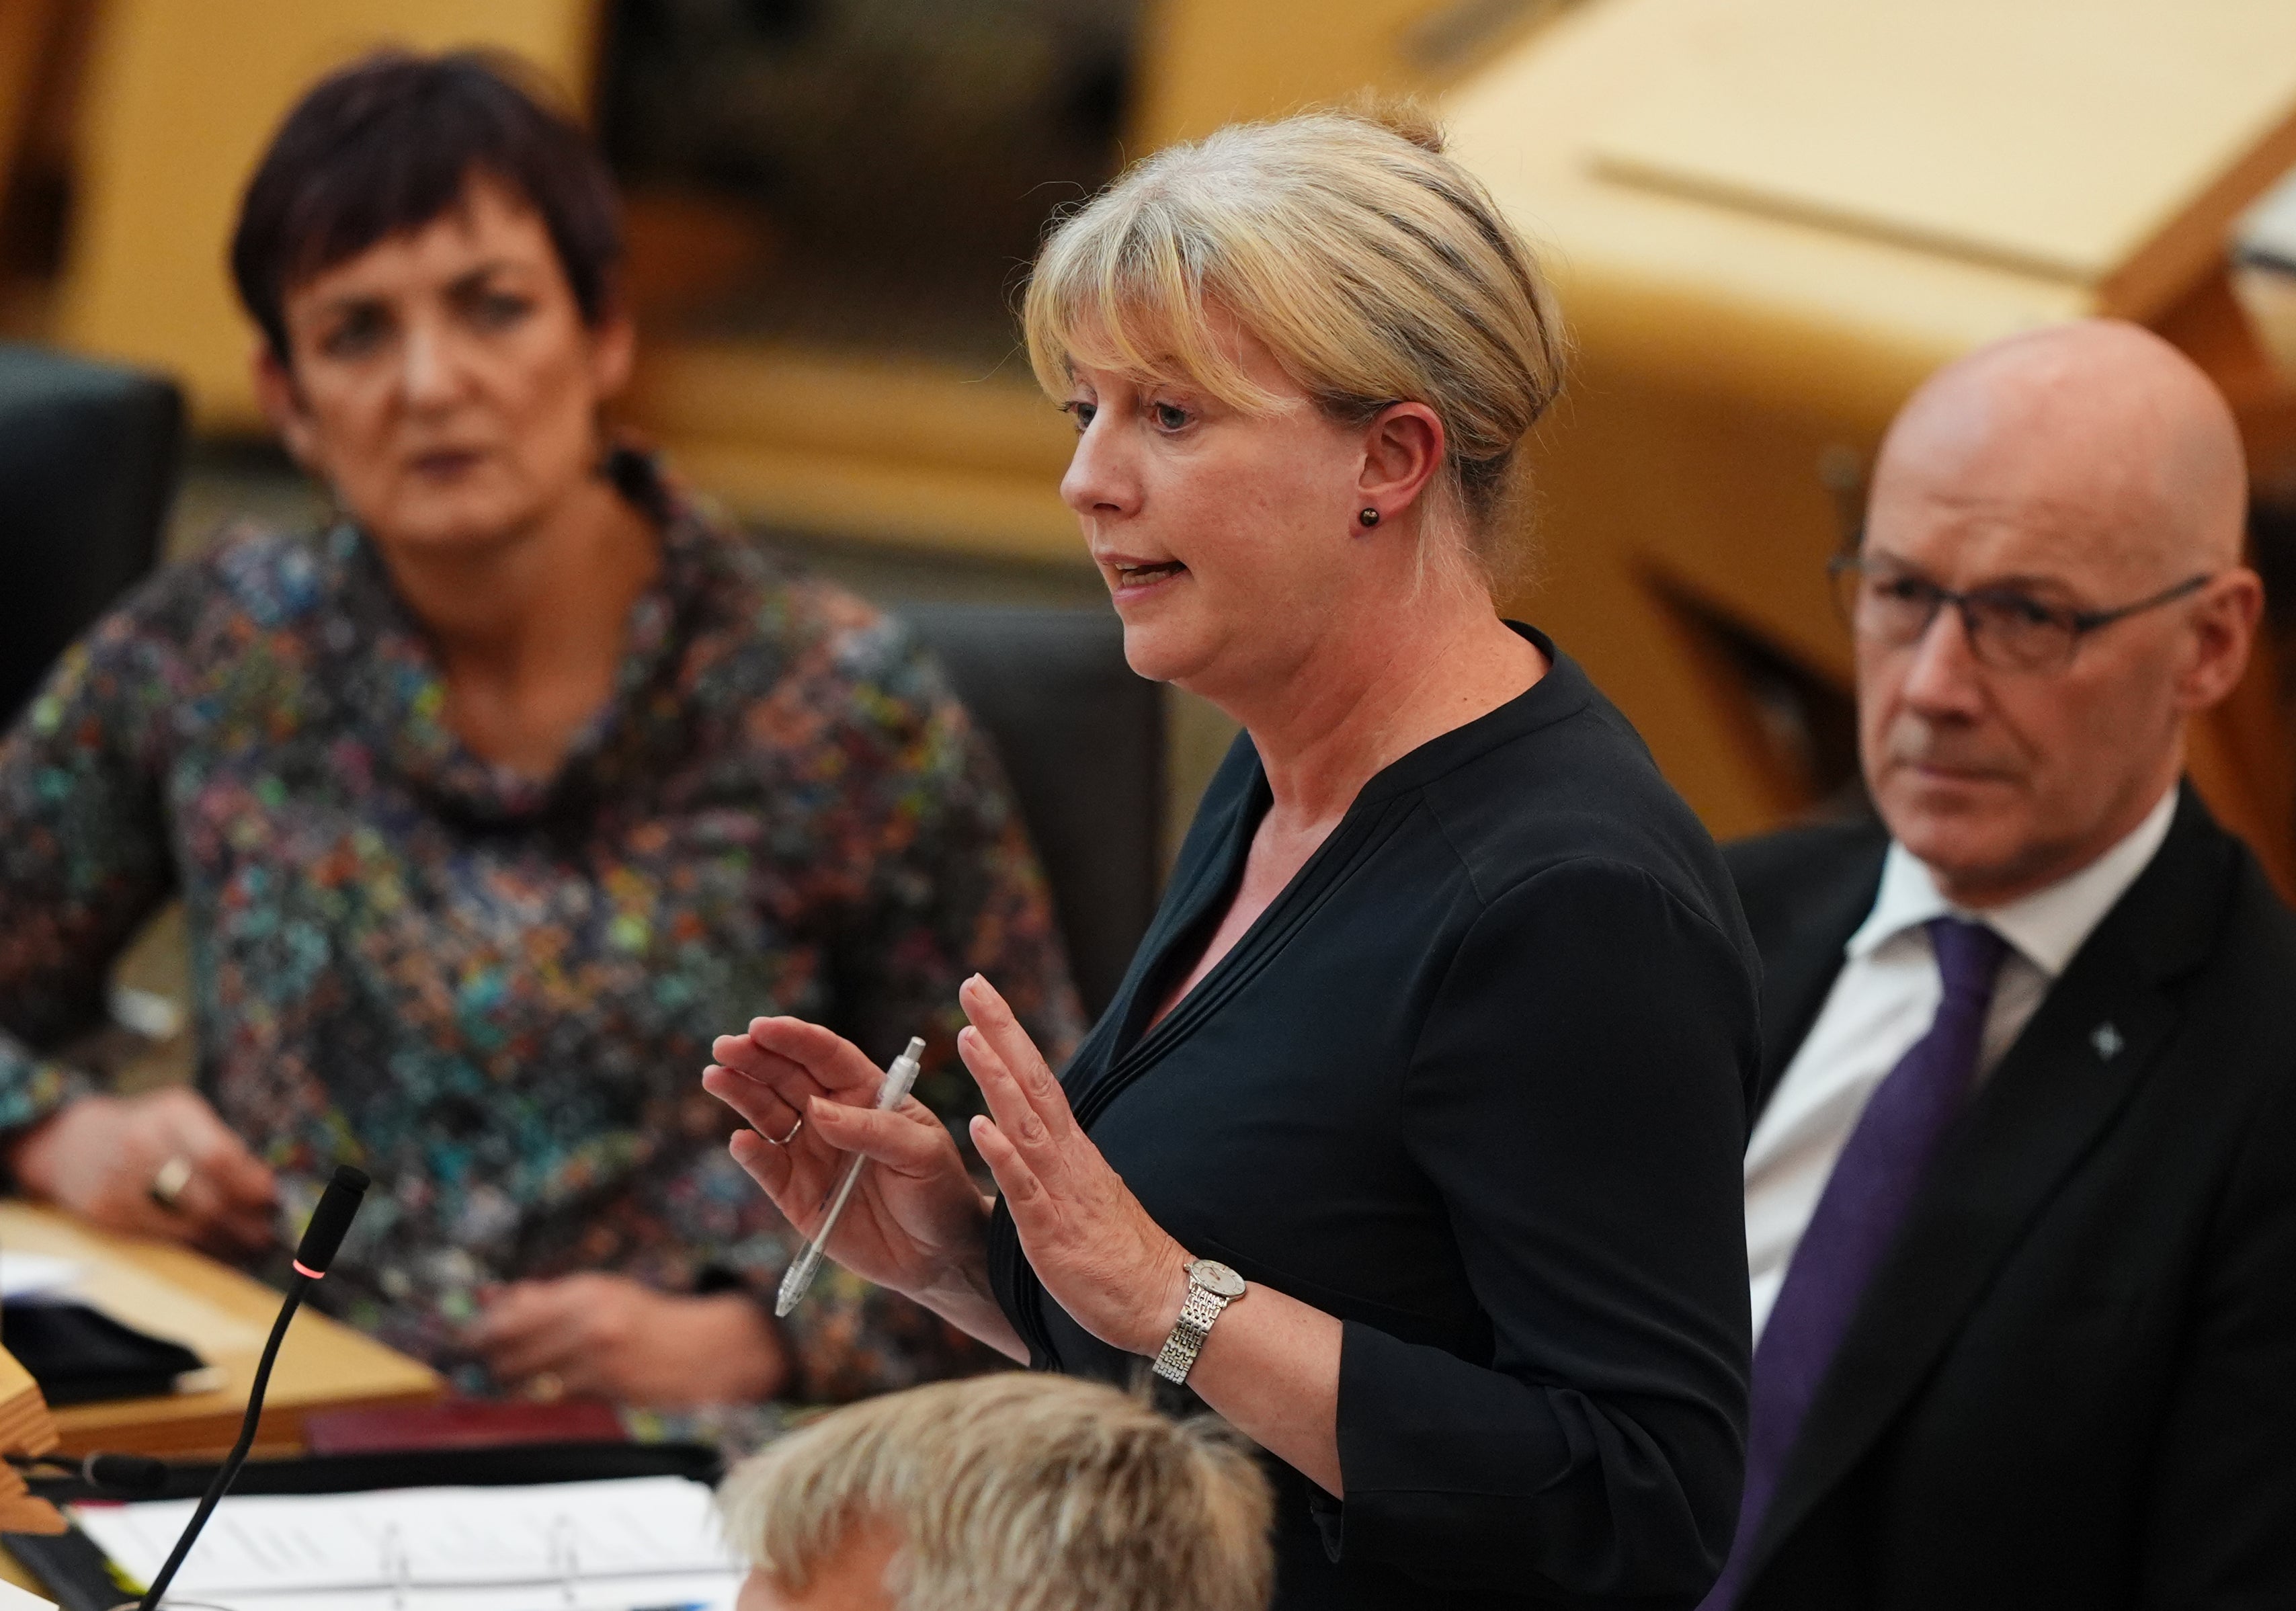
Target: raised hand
column 916, row 1222
column 1114, row 1270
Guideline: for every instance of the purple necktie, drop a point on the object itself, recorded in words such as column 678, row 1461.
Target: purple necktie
column 1857, row 1215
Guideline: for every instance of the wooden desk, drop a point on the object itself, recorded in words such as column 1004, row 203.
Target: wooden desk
column 1769, row 221
column 223, row 1316
column 25, row 1428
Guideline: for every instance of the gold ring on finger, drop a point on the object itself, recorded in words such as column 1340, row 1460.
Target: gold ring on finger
column 166, row 1187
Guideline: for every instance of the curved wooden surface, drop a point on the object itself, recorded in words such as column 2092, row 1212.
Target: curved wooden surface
column 224, row 1317
column 1737, row 361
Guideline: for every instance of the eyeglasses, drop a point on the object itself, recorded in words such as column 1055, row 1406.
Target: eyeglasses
column 2007, row 630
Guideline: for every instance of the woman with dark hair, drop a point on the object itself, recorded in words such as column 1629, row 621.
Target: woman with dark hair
column 486, row 802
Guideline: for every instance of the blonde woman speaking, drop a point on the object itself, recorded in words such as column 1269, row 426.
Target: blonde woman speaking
column 1411, row 1143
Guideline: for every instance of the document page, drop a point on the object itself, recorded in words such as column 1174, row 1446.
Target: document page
column 26, row 1275
column 627, row 1542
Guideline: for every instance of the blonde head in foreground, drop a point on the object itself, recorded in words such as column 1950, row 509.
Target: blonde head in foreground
column 1008, row 1492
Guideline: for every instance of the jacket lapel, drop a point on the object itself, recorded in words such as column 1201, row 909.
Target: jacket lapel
column 2103, row 1024
column 1799, row 971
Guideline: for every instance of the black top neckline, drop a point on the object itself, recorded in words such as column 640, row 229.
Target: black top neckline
column 1561, row 692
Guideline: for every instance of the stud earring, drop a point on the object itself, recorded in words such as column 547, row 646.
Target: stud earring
column 1369, row 517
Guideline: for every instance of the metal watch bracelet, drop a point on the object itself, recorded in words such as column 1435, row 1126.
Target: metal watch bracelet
column 1212, row 1287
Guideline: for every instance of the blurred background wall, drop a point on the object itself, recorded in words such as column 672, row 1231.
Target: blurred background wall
column 1769, row 220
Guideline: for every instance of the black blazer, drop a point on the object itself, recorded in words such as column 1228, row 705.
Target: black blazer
column 1475, row 1084
column 2073, row 1381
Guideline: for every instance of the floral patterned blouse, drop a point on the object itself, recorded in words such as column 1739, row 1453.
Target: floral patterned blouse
column 497, row 993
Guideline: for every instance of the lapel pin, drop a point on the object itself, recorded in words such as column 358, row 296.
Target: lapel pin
column 2107, row 1041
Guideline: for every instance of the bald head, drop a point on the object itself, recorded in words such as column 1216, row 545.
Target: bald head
column 2102, row 425
column 2083, row 491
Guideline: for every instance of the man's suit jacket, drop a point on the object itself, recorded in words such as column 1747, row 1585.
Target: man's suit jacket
column 2072, row 1382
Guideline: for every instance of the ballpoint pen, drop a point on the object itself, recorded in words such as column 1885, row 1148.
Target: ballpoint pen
column 899, row 1078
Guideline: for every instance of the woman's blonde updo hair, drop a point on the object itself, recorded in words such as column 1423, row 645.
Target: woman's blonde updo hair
column 1373, row 267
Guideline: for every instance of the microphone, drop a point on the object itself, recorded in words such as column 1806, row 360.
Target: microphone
column 330, row 1221
column 123, row 1473
column 120, row 1473
column 321, row 1238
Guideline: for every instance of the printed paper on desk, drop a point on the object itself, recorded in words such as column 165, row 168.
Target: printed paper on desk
column 712, row 1591
column 627, row 1538
column 25, row 1275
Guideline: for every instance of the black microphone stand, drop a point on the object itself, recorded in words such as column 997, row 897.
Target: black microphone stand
column 329, row 1220
column 228, row 1471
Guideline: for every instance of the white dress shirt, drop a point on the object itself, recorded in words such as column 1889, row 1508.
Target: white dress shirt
column 1883, row 1000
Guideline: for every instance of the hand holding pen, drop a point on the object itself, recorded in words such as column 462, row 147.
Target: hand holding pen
column 898, row 1081
column 916, row 1221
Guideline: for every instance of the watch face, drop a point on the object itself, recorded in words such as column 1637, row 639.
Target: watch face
column 1215, row 1277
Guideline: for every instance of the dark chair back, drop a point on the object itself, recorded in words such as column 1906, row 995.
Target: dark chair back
column 1082, row 740
column 89, row 454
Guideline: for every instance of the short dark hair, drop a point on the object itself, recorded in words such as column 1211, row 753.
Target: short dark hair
column 391, row 142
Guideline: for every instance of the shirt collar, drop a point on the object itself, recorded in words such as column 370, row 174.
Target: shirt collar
column 2046, row 927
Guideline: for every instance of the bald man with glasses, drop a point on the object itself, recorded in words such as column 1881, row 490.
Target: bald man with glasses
column 2021, row 1191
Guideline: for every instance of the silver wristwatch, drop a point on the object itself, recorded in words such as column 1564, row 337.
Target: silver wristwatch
column 1211, row 1287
